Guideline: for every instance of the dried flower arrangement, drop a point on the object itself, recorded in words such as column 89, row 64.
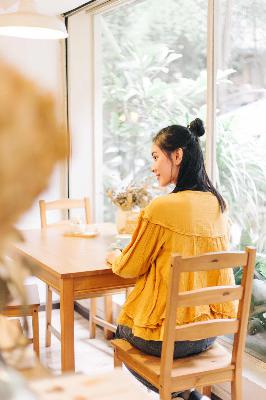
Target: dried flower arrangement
column 130, row 197
column 31, row 142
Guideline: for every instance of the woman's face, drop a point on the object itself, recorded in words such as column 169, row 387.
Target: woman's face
column 165, row 169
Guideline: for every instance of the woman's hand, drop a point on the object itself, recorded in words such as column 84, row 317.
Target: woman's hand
column 112, row 256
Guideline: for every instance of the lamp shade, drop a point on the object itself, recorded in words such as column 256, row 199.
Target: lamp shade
column 28, row 23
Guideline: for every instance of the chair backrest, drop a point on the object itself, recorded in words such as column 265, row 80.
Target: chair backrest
column 208, row 295
column 64, row 204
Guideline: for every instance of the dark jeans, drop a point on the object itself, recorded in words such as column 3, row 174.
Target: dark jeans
column 153, row 347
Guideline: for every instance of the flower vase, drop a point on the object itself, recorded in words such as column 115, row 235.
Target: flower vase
column 126, row 221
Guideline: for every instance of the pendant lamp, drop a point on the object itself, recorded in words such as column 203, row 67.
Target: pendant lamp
column 28, row 23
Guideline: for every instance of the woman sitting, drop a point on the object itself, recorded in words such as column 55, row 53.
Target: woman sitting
column 189, row 221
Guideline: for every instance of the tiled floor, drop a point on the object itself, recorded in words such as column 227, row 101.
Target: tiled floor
column 90, row 354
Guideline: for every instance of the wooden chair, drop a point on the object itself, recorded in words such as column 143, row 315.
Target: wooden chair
column 68, row 204
column 15, row 309
column 64, row 204
column 215, row 365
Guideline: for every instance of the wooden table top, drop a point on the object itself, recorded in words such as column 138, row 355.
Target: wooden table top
column 68, row 256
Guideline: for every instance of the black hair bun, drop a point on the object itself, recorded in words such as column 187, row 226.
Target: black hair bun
column 197, row 127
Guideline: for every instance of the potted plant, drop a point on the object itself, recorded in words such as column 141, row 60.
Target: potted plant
column 129, row 201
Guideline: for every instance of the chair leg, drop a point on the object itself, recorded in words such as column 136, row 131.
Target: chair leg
column 236, row 387
column 49, row 306
column 108, row 315
column 117, row 361
column 165, row 394
column 207, row 391
column 92, row 325
column 35, row 331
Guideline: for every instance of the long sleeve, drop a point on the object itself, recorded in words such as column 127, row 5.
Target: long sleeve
column 144, row 247
column 188, row 223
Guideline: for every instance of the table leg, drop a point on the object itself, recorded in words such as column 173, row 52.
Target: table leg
column 92, row 324
column 67, row 324
column 35, row 331
column 108, row 315
column 48, row 310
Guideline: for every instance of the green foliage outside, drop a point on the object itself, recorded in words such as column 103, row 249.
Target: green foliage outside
column 241, row 177
column 150, row 83
column 257, row 317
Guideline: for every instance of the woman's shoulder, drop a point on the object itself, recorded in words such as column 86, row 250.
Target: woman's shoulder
column 159, row 201
column 171, row 199
column 188, row 212
column 163, row 205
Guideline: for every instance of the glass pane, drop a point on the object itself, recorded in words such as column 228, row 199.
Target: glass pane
column 241, row 143
column 153, row 74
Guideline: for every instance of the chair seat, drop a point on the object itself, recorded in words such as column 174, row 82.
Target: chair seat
column 188, row 369
column 33, row 298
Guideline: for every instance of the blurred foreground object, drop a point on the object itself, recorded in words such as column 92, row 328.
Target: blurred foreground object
column 31, row 142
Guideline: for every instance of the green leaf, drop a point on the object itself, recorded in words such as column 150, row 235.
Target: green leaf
column 261, row 268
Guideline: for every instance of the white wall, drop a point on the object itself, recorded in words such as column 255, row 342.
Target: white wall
column 44, row 62
column 80, row 64
column 81, row 113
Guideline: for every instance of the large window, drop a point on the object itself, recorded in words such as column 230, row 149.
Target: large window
column 152, row 74
column 241, row 142
column 145, row 68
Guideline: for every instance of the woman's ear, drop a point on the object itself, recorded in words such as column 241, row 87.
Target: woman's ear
column 178, row 156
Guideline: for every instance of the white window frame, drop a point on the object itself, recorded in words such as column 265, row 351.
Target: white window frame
column 94, row 12
column 211, row 88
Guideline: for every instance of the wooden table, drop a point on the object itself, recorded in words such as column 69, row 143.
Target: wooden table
column 75, row 268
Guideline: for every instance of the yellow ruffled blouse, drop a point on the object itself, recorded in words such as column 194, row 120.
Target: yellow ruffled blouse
column 189, row 223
